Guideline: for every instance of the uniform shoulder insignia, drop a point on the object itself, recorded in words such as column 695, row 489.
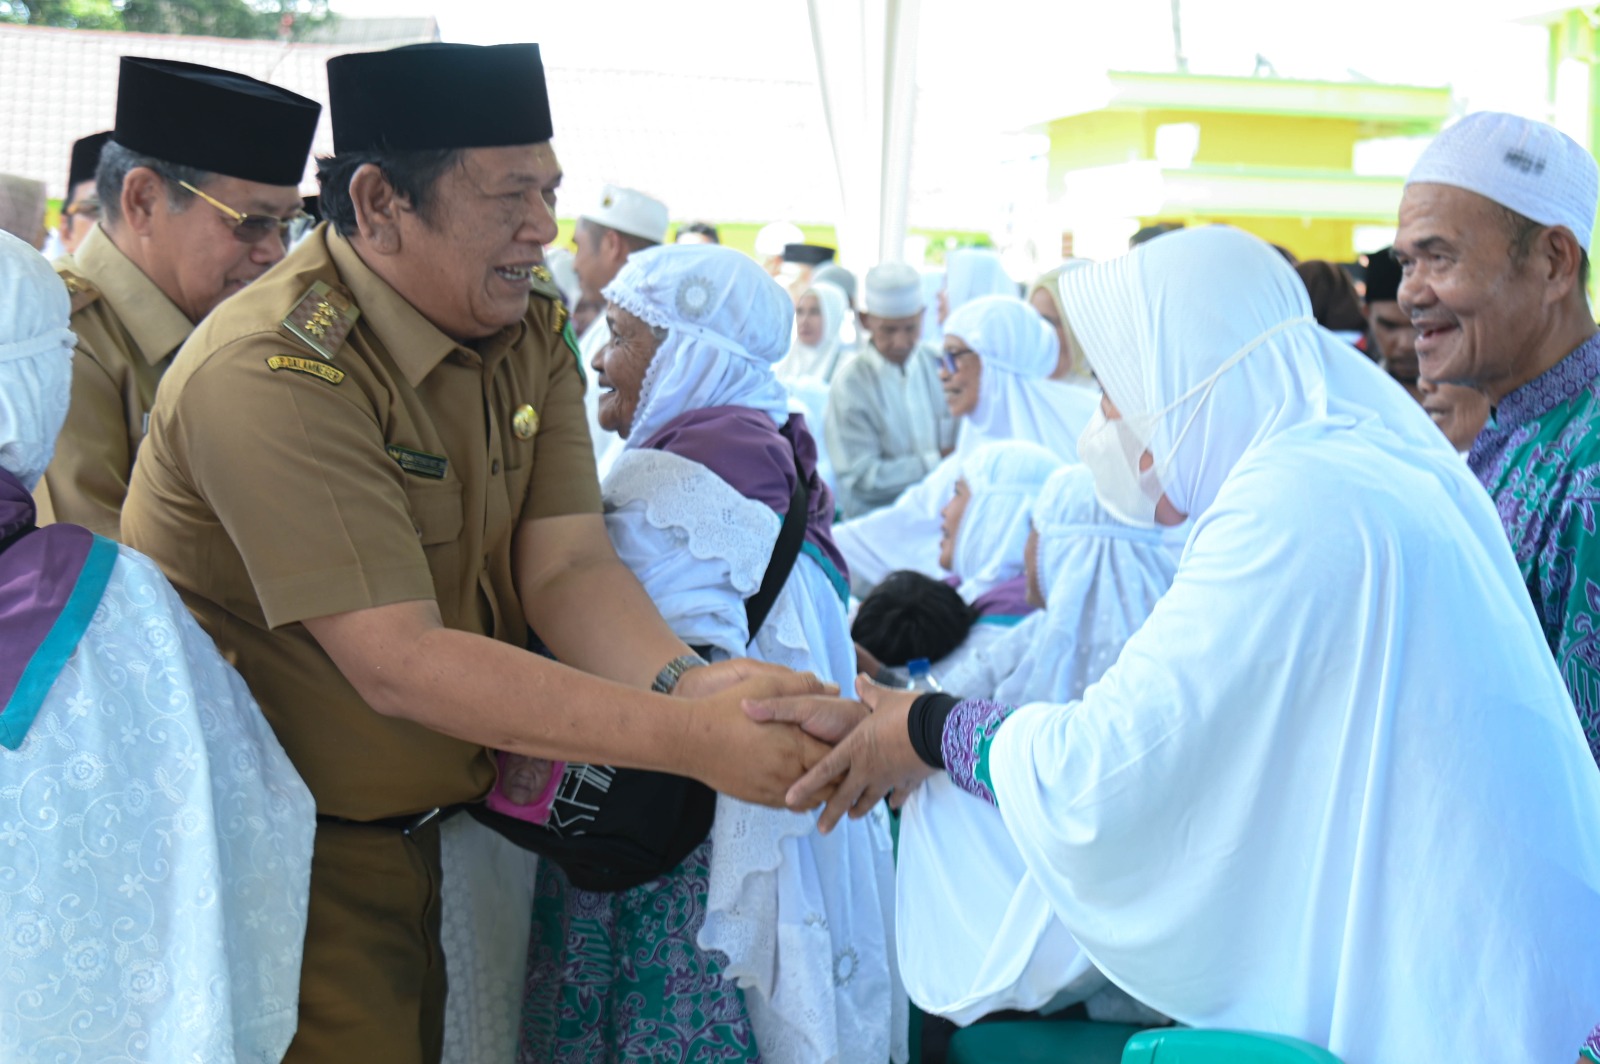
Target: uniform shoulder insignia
column 82, row 292
column 322, row 319
column 543, row 284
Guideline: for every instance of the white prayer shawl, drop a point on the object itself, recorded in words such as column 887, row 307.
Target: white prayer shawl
column 1003, row 480
column 1334, row 786
column 157, row 851
column 821, row 360
column 804, row 919
column 1016, row 401
column 1101, row 579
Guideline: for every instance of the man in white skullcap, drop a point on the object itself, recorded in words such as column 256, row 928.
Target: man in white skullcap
column 623, row 221
column 1495, row 225
column 888, row 424
column 160, row 857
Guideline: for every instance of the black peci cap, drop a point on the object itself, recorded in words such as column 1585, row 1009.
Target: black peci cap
column 430, row 96
column 807, row 254
column 214, row 120
column 85, row 157
column 1383, row 277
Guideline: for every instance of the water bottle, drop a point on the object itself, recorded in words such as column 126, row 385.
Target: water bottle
column 922, row 678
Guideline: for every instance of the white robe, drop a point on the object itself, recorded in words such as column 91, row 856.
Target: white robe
column 805, row 920
column 886, row 426
column 155, row 851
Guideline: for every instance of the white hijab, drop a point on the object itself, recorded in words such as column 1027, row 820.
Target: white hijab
column 819, row 360
column 35, row 360
column 1334, row 786
column 971, row 273
column 1017, row 400
column 1003, row 479
column 1100, row 577
column 727, row 323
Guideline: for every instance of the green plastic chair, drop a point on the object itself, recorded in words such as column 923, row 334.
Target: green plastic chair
column 1040, row 1042
column 1184, row 1045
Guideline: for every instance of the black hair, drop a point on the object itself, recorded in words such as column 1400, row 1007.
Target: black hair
column 911, row 616
column 702, row 228
column 117, row 162
column 414, row 175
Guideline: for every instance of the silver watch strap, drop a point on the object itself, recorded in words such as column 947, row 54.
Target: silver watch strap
column 667, row 679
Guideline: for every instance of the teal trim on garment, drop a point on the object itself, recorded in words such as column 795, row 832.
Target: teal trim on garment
column 841, row 586
column 980, row 768
column 1001, row 620
column 52, row 656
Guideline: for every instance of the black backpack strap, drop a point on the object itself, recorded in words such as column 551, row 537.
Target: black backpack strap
column 784, row 554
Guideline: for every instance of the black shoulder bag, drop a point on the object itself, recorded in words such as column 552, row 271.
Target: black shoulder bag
column 612, row 829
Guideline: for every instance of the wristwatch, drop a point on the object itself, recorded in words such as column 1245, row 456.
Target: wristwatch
column 667, row 679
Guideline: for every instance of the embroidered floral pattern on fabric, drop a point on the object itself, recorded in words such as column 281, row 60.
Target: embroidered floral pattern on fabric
column 1591, row 1046
column 155, row 851
column 694, row 297
column 617, row 977
column 1540, row 461
column 966, row 731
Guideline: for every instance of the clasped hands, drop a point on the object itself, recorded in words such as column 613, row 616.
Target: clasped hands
column 765, row 734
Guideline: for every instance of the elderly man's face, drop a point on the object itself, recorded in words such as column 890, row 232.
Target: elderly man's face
column 78, row 216
column 894, row 338
column 1397, row 342
column 620, row 368
column 1476, row 309
column 1460, row 412
column 469, row 264
column 191, row 253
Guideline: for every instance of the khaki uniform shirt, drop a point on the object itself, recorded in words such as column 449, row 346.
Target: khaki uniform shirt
column 127, row 332
column 277, row 485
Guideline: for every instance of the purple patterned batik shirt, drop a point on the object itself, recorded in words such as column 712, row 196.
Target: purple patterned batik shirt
column 1539, row 456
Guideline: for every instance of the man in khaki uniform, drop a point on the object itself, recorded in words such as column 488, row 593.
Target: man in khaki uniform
column 369, row 475
column 196, row 185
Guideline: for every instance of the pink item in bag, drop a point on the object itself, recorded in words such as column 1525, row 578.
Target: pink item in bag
column 526, row 775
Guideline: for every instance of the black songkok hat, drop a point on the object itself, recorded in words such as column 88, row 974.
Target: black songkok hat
column 1383, row 277
column 214, row 120
column 434, row 96
column 807, row 254
column 85, row 157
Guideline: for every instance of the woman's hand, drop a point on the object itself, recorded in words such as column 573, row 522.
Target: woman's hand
column 872, row 760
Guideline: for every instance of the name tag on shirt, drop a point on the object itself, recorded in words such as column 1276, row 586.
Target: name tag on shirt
column 419, row 463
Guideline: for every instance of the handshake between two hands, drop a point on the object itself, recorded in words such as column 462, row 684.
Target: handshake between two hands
column 768, row 735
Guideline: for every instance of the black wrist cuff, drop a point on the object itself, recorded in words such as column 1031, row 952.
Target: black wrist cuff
column 926, row 725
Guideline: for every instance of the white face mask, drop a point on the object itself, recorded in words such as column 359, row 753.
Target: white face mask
column 1112, row 449
column 1111, row 452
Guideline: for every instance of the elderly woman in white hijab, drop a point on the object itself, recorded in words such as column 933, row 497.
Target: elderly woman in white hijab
column 1333, row 787
column 998, row 357
column 769, row 940
column 158, row 857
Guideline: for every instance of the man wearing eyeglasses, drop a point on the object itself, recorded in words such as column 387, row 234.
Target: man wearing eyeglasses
column 196, row 188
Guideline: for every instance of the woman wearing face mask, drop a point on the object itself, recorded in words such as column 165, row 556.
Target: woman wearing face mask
column 1336, row 755
column 998, row 357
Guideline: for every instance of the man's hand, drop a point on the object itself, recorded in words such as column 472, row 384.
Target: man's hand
column 736, row 756
column 871, row 761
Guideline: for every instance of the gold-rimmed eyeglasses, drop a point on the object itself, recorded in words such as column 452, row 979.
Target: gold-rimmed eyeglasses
column 253, row 228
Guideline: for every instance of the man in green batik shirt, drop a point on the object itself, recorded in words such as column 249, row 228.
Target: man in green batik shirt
column 1494, row 237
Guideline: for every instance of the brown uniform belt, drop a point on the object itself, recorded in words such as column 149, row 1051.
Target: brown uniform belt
column 407, row 825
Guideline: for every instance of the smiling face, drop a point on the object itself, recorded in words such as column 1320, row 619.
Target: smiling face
column 467, row 265
column 191, row 253
column 960, row 387
column 808, row 320
column 620, row 368
column 1477, row 308
column 950, row 523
